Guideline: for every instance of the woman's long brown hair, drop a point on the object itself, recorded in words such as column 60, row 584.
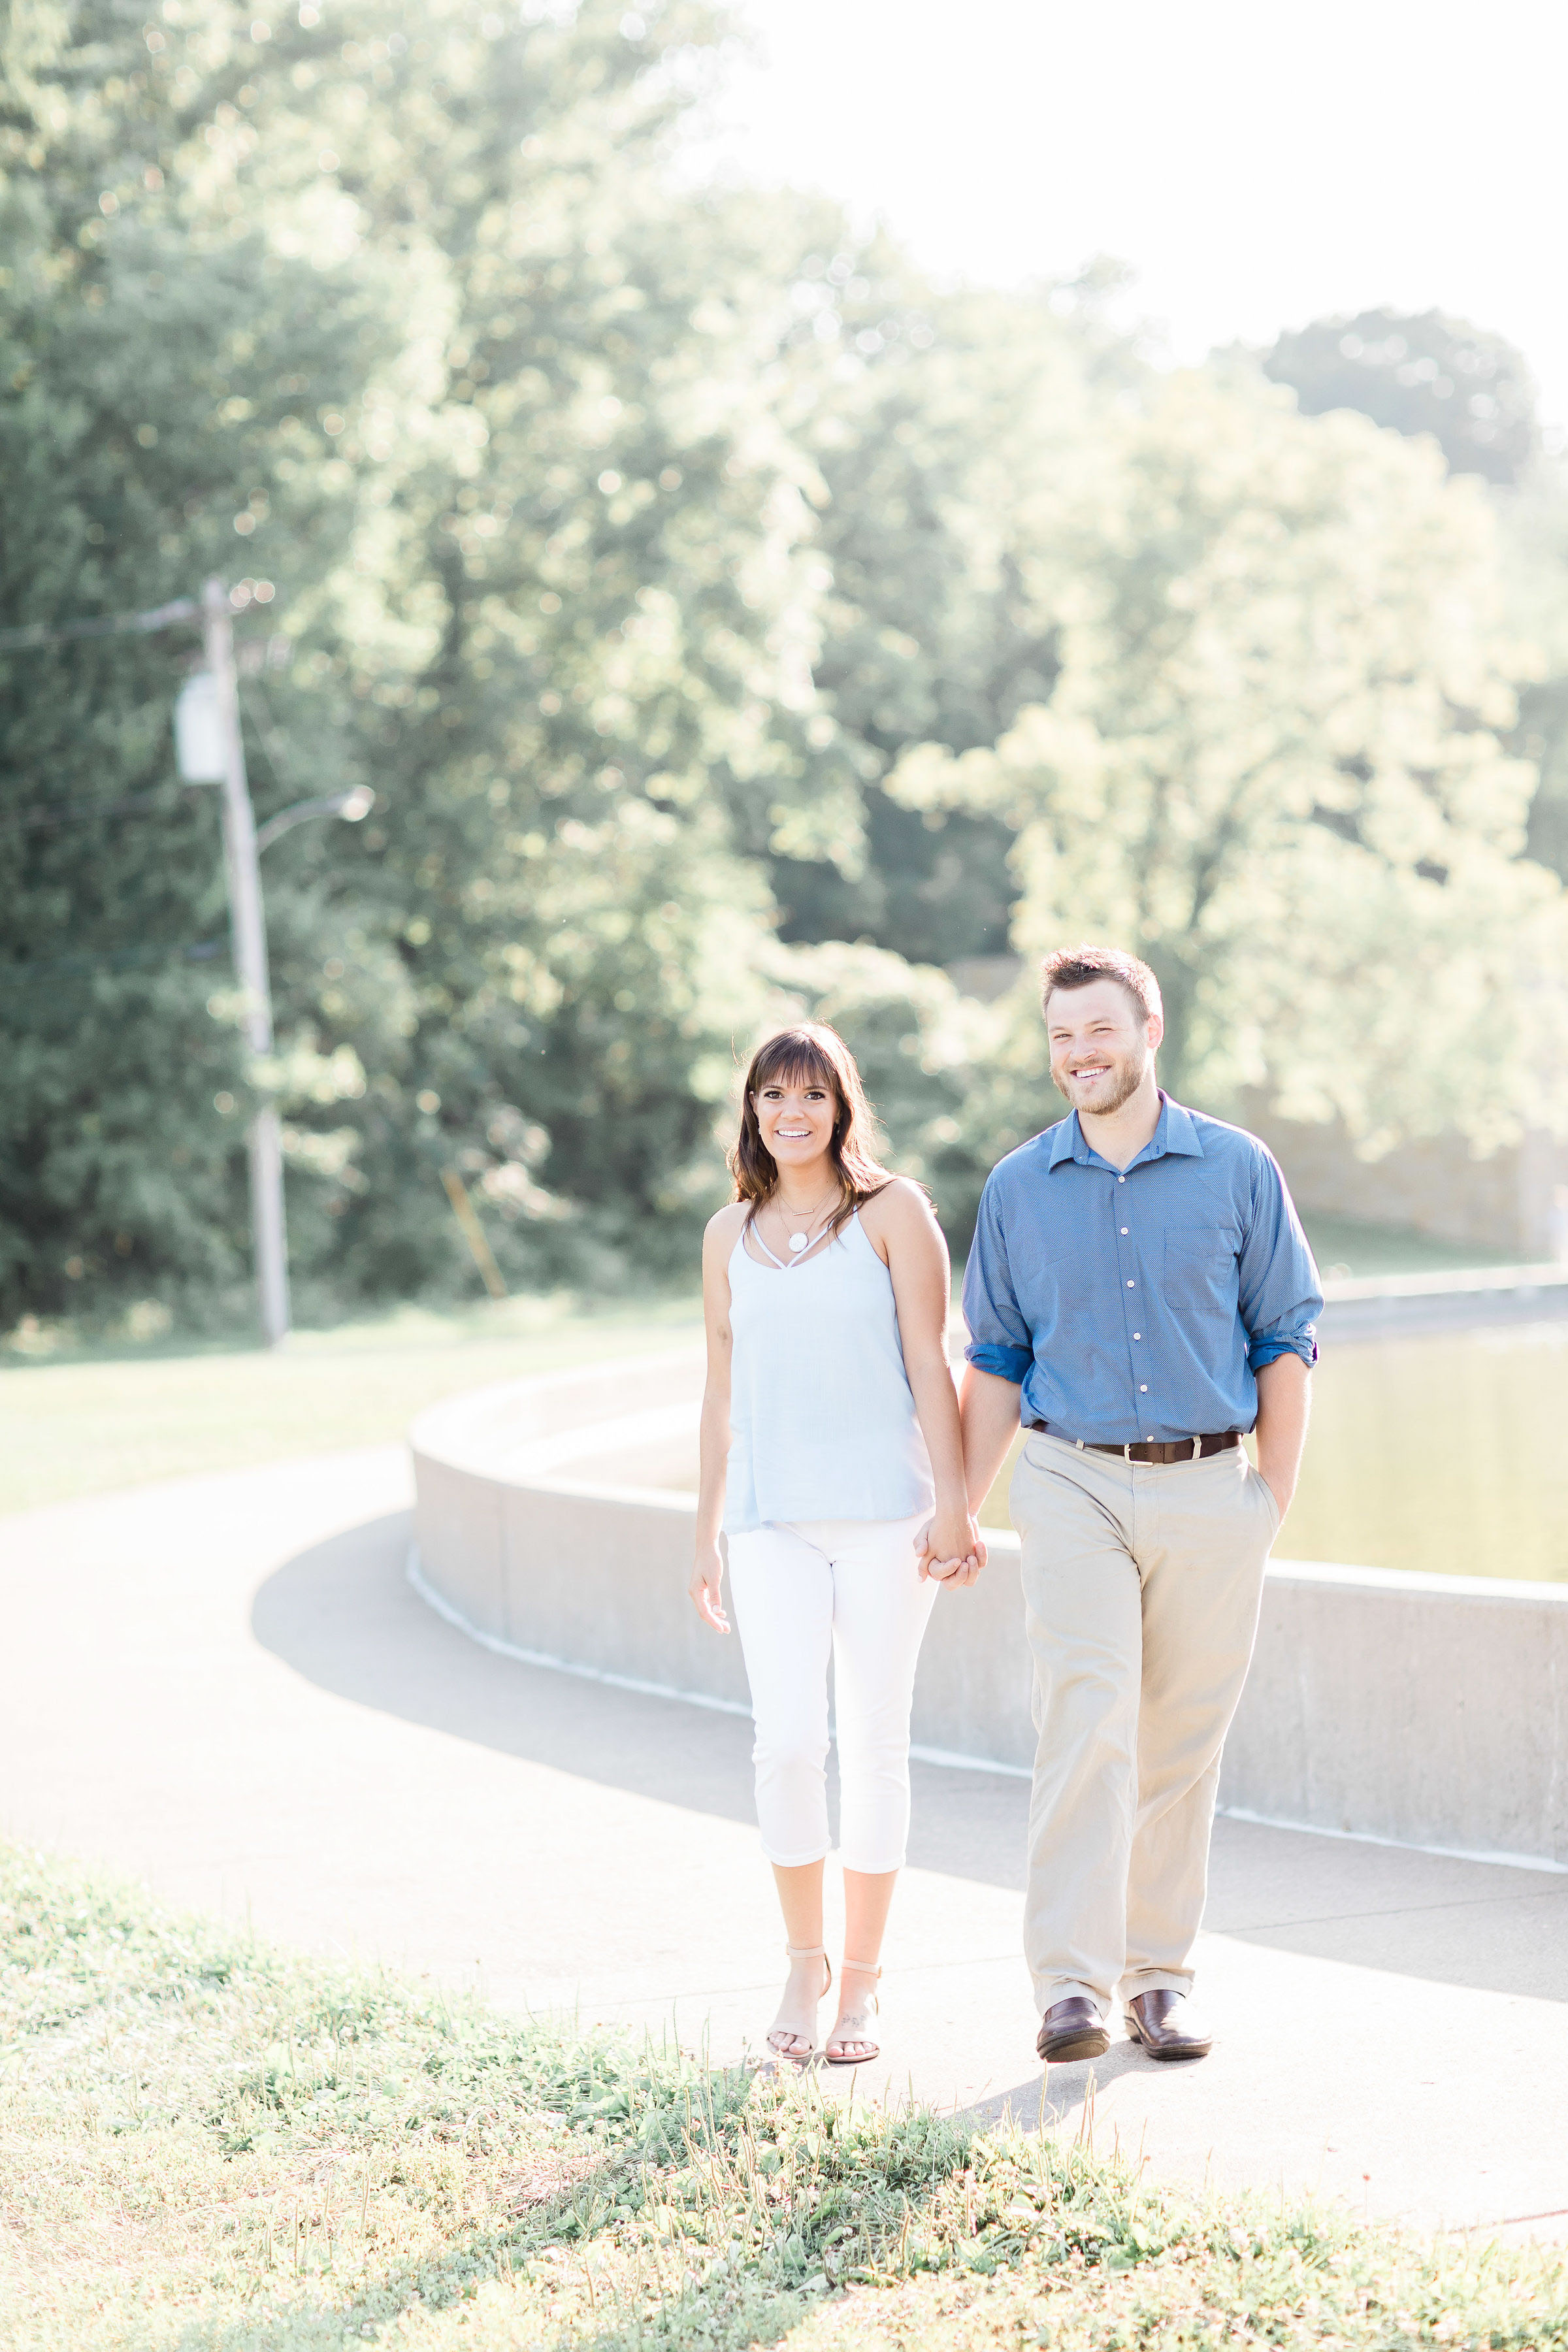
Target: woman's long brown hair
column 810, row 1054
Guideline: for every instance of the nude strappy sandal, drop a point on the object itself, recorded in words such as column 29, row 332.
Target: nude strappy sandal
column 801, row 2057
column 872, row 2050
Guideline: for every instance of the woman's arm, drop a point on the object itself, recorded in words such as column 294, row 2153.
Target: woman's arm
column 706, row 1587
column 903, row 1231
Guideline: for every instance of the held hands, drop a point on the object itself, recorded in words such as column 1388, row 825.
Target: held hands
column 951, row 1548
column 706, row 1587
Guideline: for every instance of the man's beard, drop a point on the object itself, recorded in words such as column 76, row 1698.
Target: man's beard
column 1125, row 1082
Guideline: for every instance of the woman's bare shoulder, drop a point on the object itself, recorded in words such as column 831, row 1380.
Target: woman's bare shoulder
column 725, row 1227
column 899, row 1217
column 897, row 1206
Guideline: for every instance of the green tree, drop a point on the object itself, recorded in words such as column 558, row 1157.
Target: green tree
column 945, row 431
column 145, row 424
column 700, row 592
column 1275, row 764
column 580, row 633
column 1472, row 391
column 1533, row 525
column 1427, row 374
column 485, row 413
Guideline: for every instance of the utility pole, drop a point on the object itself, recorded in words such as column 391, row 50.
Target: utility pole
column 264, row 1142
column 210, row 749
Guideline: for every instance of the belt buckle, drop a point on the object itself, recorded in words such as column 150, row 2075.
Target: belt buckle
column 1127, row 1449
column 1197, row 1449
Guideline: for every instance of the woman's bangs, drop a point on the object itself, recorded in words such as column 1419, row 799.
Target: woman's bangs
column 795, row 1062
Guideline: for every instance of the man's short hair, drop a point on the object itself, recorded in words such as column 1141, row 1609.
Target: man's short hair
column 1078, row 967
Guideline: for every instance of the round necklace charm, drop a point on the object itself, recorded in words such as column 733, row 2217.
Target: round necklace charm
column 797, row 1242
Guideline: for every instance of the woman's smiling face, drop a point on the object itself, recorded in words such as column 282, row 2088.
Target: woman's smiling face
column 796, row 1117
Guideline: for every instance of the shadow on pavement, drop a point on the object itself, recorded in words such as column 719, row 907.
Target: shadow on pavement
column 343, row 1615
column 1063, row 2096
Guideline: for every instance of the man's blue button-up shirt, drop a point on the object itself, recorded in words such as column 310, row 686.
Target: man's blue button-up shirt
column 1140, row 1302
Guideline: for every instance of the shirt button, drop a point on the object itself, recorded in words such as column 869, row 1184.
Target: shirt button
column 1125, row 1229
column 1130, row 1285
column 1121, row 1180
column 1142, row 1388
column 1137, row 1335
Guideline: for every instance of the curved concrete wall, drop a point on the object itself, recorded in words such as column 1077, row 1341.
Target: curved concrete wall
column 555, row 1525
column 1397, row 1306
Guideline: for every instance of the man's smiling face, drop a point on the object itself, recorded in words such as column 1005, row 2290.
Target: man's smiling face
column 1100, row 1044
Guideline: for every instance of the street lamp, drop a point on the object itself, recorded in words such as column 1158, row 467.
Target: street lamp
column 351, row 806
column 209, row 749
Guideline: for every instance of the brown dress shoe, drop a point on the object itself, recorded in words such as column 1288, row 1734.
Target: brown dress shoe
column 1069, row 2030
column 1161, row 2022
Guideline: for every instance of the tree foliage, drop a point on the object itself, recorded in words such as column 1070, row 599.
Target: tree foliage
column 146, row 405
column 728, row 623
column 1470, row 390
column 536, row 575
column 943, row 463
column 1276, row 763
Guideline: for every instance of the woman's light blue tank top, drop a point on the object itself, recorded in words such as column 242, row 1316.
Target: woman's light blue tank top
column 822, row 1419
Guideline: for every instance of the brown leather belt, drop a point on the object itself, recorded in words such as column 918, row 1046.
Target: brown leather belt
column 1178, row 1449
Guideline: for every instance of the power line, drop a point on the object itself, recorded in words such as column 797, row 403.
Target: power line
column 124, row 960
column 113, row 624
column 43, row 815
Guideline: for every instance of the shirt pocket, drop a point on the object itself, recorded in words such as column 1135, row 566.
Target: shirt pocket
column 1201, row 1276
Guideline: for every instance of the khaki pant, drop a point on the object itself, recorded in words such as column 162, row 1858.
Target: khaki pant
column 1142, row 1587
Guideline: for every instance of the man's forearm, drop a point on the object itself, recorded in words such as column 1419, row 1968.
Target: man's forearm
column 988, row 1408
column 1284, row 1398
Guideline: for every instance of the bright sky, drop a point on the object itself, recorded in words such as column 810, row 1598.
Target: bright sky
column 1259, row 165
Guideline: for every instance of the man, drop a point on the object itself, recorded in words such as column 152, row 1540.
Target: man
column 1140, row 1292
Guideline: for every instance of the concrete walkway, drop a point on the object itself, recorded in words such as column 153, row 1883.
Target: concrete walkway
column 227, row 1686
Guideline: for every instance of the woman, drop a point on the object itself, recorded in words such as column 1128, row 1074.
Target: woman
column 832, row 1456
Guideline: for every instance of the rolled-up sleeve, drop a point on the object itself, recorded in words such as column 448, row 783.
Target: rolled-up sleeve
column 1279, row 1297
column 998, row 1335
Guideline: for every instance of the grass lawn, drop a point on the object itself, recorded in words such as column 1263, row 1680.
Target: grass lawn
column 86, row 1422
column 207, row 2144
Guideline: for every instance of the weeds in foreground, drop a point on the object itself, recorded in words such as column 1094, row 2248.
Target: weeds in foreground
column 205, row 2144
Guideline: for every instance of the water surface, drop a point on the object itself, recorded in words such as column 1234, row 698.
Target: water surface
column 1445, row 1453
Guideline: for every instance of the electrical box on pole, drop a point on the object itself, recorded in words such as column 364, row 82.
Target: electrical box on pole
column 201, row 751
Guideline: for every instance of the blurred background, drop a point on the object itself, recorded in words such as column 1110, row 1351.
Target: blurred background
column 793, row 510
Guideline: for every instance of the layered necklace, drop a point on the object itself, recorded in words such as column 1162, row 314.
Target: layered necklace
column 800, row 1240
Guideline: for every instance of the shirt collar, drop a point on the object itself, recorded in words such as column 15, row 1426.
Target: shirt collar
column 1176, row 1133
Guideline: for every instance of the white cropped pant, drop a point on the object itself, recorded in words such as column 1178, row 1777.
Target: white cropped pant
column 850, row 1589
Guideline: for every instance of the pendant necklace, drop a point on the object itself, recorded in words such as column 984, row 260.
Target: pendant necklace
column 799, row 1241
